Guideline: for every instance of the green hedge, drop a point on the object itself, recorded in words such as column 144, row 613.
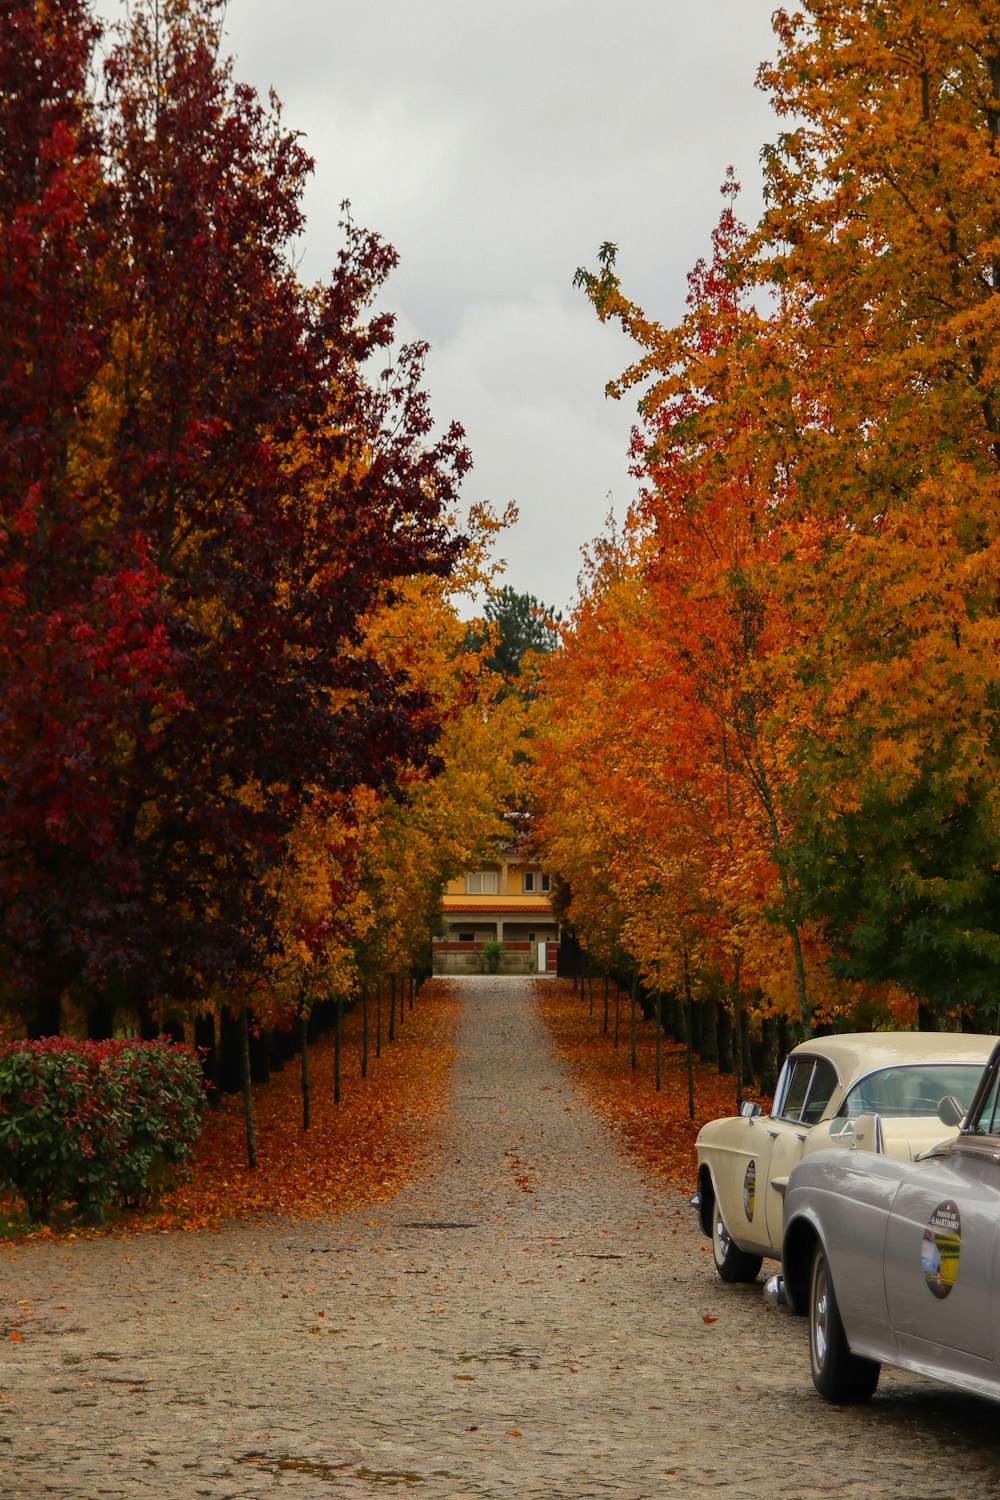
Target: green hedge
column 93, row 1123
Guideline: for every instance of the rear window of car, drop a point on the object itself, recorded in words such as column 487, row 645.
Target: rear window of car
column 913, row 1090
column 806, row 1091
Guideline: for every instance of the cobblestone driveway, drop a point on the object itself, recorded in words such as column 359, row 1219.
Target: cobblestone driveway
column 535, row 1319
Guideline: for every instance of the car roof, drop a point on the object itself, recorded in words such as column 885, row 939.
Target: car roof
column 855, row 1053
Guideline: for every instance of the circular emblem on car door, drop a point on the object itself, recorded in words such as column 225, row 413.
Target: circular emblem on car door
column 749, row 1189
column 940, row 1250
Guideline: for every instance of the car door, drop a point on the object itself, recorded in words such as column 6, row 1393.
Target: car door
column 803, row 1093
column 941, row 1248
column 738, row 1172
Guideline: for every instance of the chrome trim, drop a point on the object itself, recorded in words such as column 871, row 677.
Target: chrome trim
column 820, row 1320
column 774, row 1292
column 723, row 1239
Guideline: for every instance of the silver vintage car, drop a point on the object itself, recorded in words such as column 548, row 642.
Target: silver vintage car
column 898, row 1262
column 828, row 1093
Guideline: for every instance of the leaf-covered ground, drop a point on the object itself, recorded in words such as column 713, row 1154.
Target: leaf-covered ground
column 654, row 1125
column 355, row 1153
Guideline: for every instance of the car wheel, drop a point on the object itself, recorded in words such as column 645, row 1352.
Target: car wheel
column 732, row 1263
column 837, row 1374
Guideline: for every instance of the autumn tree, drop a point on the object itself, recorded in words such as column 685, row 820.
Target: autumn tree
column 237, row 492
column 516, row 624
column 816, row 535
column 704, row 666
column 84, row 650
column 881, row 231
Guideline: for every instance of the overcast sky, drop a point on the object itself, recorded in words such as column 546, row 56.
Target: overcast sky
column 496, row 144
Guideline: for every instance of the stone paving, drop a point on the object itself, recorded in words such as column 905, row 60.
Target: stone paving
column 534, row 1318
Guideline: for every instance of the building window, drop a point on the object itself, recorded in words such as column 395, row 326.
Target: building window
column 535, row 882
column 546, row 883
column 529, row 880
column 466, row 937
column 482, row 883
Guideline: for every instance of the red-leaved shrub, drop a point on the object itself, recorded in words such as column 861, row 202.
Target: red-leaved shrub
column 91, row 1123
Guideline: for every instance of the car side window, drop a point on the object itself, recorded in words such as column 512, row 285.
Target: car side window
column 821, row 1087
column 811, row 1082
column 799, row 1074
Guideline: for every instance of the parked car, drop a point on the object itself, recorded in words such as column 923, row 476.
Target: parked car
column 834, row 1091
column 898, row 1262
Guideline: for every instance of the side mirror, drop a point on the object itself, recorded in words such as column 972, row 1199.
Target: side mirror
column 750, row 1109
column 868, row 1134
column 950, row 1111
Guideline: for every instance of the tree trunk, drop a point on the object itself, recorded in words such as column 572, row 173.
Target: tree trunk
column 689, row 1002
column 681, row 1028
column 800, row 983
column 247, row 1086
column 737, row 997
column 709, row 1031
column 205, row 1040
column 693, row 1013
column 634, row 997
column 337, row 1046
column 364, row 1029
column 378, row 1016
column 769, row 1055
column 605, row 1028
column 304, row 1044
column 618, row 1006
column 659, row 1033
column 748, row 1073
column 392, row 1007
column 725, row 1048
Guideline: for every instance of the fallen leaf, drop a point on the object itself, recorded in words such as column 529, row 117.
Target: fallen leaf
column 358, row 1153
column 654, row 1124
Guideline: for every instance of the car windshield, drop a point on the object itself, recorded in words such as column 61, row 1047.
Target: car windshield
column 915, row 1090
column 987, row 1119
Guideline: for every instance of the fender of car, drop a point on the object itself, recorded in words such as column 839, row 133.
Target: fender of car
column 898, row 1261
column 826, row 1090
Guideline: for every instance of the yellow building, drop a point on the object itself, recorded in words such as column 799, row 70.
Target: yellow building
column 508, row 902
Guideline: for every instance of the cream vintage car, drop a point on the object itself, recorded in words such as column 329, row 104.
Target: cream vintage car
column 897, row 1262
column 912, row 1088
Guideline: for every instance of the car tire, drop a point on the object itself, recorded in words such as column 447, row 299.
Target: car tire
column 837, row 1374
column 732, row 1263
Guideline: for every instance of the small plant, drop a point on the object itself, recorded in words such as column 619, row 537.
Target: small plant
column 92, row 1123
column 493, row 953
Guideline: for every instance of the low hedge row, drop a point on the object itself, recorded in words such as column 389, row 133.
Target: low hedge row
column 94, row 1123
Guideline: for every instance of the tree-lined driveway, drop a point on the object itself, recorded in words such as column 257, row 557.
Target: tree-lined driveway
column 534, row 1318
